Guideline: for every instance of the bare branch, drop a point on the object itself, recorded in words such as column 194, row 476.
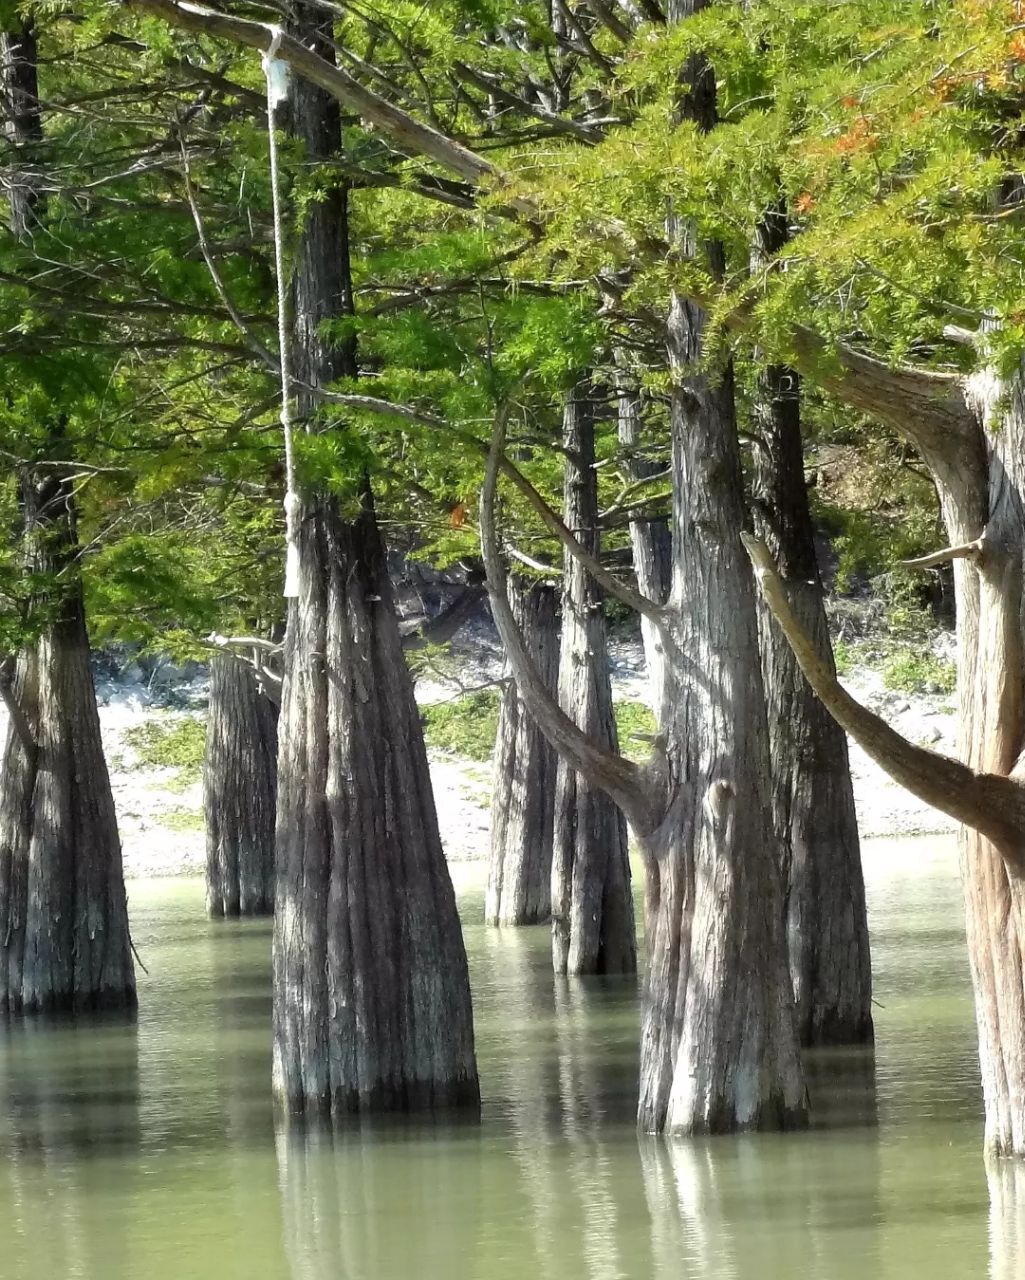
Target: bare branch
column 397, row 125
column 16, row 712
column 251, row 340
column 608, row 581
column 622, row 780
column 991, row 803
column 967, row 551
column 441, row 629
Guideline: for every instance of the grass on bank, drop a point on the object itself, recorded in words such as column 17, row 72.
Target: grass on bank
column 468, row 726
column 171, row 742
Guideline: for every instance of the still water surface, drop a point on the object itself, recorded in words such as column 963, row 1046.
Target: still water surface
column 150, row 1152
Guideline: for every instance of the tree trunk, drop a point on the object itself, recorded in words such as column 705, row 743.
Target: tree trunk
column 719, row 1047
column 812, row 795
column 520, row 871
column 371, row 990
column 991, row 687
column 592, row 905
column 977, row 456
column 239, row 792
column 649, row 539
column 64, row 941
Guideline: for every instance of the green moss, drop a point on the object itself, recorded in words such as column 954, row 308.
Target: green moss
column 465, row 726
column 171, row 742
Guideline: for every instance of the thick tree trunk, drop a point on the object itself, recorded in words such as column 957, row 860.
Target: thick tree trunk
column 650, row 539
column 978, row 459
column 812, row 795
column 239, row 791
column 522, row 803
column 371, row 990
column 991, row 686
column 64, row 941
column 719, row 1047
column 592, row 905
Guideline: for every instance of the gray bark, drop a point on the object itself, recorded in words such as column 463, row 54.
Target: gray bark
column 239, row 791
column 371, row 991
column 650, row 540
column 719, row 1047
column 64, row 942
column 523, row 794
column 592, row 905
column 812, row 795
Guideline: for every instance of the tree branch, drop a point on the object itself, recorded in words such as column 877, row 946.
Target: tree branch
column 397, row 125
column 622, row 780
column 991, row 803
column 967, row 551
column 632, row 599
column 16, row 712
column 441, row 629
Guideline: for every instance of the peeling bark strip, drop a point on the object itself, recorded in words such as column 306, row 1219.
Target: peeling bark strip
column 64, row 942
column 371, row 990
column 239, row 791
column 592, row 904
column 523, row 794
column 812, row 795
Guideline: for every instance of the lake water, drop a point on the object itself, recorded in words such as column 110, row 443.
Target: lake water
column 150, row 1152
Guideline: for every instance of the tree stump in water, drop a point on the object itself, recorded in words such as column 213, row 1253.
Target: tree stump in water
column 239, row 791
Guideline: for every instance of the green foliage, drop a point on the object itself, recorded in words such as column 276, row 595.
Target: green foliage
column 468, row 726
column 170, row 742
column 635, row 724
column 914, row 671
column 465, row 726
column 181, row 819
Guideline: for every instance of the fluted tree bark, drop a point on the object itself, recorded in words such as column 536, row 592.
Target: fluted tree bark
column 812, row 793
column 240, row 787
column 592, row 905
column 64, row 941
column 371, row 990
column 523, row 791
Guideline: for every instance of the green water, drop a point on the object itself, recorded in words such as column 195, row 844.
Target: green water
column 150, row 1152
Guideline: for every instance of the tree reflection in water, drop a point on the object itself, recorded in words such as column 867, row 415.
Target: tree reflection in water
column 69, row 1112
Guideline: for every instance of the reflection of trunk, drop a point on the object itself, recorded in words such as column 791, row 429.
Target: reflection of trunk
column 592, row 905
column 63, row 913
column 239, row 792
column 520, row 873
column 650, row 539
column 339, row 1195
column 67, row 1109
column 371, row 994
column 813, row 800
column 1006, row 1219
